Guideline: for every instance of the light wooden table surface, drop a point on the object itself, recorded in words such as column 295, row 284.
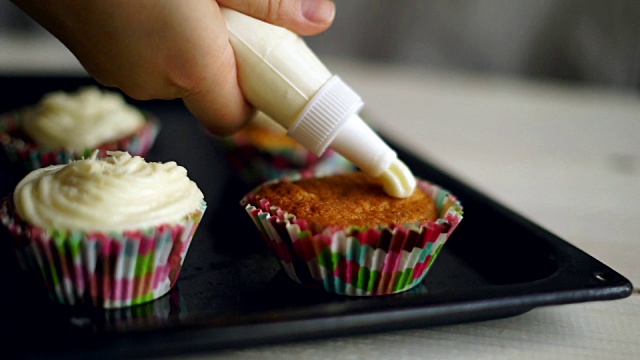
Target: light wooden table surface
column 566, row 157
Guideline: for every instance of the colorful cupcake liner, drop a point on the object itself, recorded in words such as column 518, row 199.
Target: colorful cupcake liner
column 356, row 261
column 255, row 165
column 32, row 156
column 109, row 270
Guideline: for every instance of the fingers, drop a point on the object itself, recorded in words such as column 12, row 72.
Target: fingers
column 212, row 92
column 220, row 106
column 304, row 17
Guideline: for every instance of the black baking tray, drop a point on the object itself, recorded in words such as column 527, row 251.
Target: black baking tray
column 232, row 292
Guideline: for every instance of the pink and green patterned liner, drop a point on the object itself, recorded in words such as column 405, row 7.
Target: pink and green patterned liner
column 356, row 261
column 255, row 165
column 32, row 156
column 108, row 270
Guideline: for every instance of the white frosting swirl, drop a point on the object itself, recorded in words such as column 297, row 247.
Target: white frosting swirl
column 84, row 119
column 116, row 193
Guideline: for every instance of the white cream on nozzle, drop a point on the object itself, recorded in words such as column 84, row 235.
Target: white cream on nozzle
column 283, row 78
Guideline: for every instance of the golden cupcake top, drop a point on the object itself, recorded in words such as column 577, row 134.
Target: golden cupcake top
column 115, row 193
column 347, row 199
column 82, row 119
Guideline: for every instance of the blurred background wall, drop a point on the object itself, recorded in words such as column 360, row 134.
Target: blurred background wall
column 595, row 41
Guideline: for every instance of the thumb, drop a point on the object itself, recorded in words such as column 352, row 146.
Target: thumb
column 304, row 17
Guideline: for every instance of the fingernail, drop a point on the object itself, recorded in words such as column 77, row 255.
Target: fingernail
column 318, row 11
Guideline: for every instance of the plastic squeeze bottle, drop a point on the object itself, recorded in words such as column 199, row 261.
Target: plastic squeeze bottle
column 283, row 78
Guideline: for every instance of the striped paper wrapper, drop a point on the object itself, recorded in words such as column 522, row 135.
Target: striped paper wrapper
column 108, row 270
column 356, row 261
column 31, row 156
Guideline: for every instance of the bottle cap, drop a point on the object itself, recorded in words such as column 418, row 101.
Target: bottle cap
column 323, row 116
column 331, row 119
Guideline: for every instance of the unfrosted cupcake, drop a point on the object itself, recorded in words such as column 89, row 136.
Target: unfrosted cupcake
column 107, row 232
column 343, row 234
column 66, row 126
column 263, row 151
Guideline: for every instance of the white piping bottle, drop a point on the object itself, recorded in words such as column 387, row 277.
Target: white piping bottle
column 283, row 78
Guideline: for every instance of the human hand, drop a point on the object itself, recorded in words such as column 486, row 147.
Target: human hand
column 164, row 49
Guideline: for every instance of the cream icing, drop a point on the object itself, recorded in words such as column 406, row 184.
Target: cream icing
column 397, row 180
column 83, row 119
column 115, row 193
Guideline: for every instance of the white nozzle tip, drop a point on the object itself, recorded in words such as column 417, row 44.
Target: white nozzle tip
column 363, row 147
column 397, row 180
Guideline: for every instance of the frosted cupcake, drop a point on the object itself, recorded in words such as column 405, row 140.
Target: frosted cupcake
column 263, row 151
column 107, row 232
column 66, row 126
column 343, row 234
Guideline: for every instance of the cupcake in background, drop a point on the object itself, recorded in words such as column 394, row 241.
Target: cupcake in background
column 262, row 151
column 106, row 232
column 66, row 126
column 343, row 234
